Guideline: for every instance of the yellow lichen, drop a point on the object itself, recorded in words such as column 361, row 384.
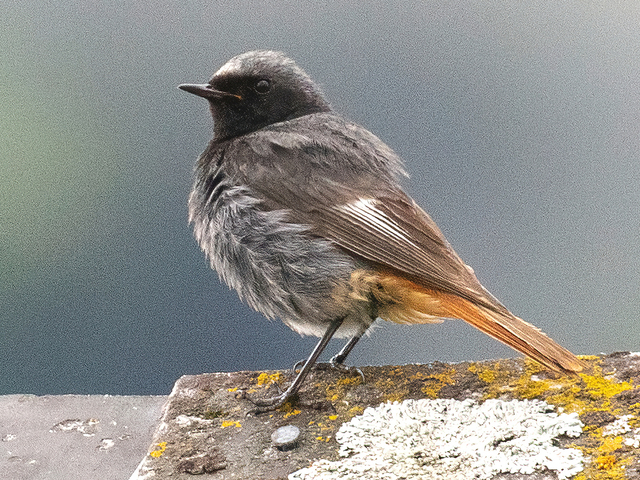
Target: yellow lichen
column 605, row 462
column 436, row 381
column 349, row 381
column 587, row 392
column 487, row 375
column 611, row 444
column 607, row 452
column 589, row 357
column 606, row 456
column 571, row 400
column 601, row 387
column 337, row 390
column 605, row 465
column 324, row 427
column 531, row 367
column 288, row 410
column 393, row 390
column 230, row 423
column 527, row 388
column 634, row 409
column 497, row 378
column 161, row 447
column 357, row 410
column 265, row 379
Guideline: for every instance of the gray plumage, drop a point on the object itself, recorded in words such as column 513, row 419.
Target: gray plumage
column 302, row 212
column 257, row 231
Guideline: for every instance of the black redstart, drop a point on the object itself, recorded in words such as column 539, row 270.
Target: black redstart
column 302, row 212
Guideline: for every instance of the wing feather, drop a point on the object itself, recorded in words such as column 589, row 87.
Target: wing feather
column 403, row 239
column 341, row 181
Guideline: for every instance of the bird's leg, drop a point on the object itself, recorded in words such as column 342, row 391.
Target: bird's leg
column 267, row 404
column 337, row 361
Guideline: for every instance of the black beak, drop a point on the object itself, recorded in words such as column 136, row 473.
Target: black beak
column 206, row 91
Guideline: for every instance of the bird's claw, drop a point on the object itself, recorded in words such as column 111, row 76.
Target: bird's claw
column 267, row 404
column 337, row 364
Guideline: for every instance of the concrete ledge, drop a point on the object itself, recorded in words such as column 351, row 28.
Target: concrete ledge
column 205, row 428
column 75, row 437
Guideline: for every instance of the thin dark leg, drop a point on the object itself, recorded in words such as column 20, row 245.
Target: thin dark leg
column 341, row 356
column 337, row 361
column 267, row 404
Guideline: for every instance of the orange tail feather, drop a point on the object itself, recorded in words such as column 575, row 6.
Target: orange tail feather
column 406, row 302
column 516, row 333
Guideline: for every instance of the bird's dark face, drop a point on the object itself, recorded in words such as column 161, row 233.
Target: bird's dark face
column 257, row 89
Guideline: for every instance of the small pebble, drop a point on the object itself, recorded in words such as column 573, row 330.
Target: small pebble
column 285, row 438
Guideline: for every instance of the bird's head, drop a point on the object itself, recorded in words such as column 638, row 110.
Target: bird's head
column 256, row 89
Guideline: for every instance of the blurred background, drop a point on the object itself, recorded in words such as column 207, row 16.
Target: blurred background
column 519, row 124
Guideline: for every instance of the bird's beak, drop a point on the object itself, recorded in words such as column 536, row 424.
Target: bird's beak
column 206, row 91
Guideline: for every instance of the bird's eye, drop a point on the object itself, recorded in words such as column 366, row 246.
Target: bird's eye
column 262, row 86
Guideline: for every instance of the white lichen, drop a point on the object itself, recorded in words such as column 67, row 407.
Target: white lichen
column 457, row 440
column 634, row 440
column 618, row 427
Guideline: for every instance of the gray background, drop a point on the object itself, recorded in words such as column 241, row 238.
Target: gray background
column 518, row 122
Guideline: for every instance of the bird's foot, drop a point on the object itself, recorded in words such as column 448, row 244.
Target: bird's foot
column 270, row 403
column 335, row 363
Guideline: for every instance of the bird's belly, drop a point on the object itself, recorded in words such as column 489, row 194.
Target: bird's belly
column 279, row 269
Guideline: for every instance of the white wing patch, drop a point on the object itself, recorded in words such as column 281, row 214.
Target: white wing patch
column 365, row 210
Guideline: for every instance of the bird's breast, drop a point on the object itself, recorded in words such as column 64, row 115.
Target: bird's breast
column 278, row 267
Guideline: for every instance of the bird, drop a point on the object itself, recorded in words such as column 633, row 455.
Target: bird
column 303, row 213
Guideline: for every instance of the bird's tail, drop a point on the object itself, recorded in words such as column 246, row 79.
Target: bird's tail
column 405, row 302
column 516, row 333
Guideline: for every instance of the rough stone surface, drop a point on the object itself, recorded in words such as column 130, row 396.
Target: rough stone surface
column 206, row 427
column 432, row 439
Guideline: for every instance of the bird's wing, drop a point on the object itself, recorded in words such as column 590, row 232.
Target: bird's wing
column 393, row 232
column 345, row 188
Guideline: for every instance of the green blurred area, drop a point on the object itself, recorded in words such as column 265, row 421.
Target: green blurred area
column 58, row 157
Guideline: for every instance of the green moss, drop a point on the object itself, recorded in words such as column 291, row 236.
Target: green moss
column 213, row 414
